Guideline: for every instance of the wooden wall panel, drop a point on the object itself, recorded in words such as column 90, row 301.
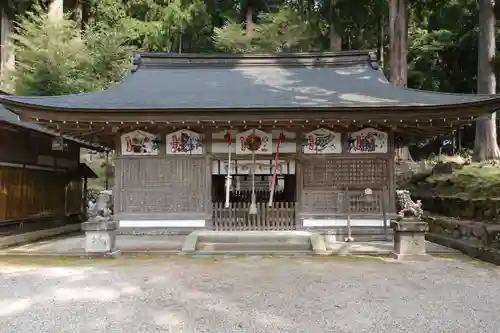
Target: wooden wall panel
column 327, row 172
column 336, row 184
column 165, row 184
column 29, row 193
column 25, row 147
column 340, row 202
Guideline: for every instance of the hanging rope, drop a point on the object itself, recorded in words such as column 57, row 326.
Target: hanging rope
column 253, row 142
column 229, row 140
column 281, row 139
column 253, row 204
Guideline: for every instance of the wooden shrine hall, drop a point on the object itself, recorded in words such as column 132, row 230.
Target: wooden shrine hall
column 254, row 142
column 41, row 180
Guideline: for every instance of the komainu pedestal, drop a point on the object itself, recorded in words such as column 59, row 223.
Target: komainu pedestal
column 409, row 239
column 409, row 229
column 100, row 238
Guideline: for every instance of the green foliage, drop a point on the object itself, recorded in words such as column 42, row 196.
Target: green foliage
column 469, row 182
column 425, row 58
column 283, row 31
column 54, row 58
column 158, row 25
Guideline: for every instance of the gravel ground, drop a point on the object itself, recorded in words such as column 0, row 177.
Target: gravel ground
column 250, row 295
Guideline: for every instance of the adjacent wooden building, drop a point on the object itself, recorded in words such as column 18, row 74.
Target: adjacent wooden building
column 41, row 182
column 180, row 123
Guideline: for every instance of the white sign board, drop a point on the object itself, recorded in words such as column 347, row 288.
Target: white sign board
column 139, row 143
column 261, row 141
column 368, row 140
column 323, row 141
column 184, row 142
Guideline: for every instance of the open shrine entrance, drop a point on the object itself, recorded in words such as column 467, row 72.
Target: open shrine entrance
column 280, row 215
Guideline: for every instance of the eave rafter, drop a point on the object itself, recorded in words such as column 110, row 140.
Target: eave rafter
column 104, row 126
column 105, row 132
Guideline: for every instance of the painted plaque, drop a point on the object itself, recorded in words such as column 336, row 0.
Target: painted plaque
column 58, row 143
column 184, row 142
column 254, row 140
column 139, row 143
column 323, row 141
column 368, row 140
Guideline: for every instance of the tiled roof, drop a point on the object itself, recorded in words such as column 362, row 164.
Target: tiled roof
column 349, row 80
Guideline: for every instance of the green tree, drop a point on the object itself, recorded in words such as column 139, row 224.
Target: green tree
column 158, row 25
column 53, row 57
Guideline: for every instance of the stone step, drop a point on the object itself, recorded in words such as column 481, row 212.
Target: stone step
column 252, row 253
column 262, row 242
column 265, row 247
column 289, row 237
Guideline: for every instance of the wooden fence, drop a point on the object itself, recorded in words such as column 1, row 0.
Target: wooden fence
column 281, row 216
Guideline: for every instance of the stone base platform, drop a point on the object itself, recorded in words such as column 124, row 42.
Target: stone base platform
column 74, row 245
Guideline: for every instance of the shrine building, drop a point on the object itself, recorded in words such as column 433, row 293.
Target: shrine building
column 308, row 140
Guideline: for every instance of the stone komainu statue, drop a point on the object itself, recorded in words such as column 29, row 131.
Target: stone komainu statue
column 407, row 206
column 101, row 209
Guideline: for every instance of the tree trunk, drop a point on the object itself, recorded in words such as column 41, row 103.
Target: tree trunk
column 85, row 13
column 398, row 34
column 381, row 40
column 249, row 21
column 398, row 49
column 56, row 10
column 6, row 49
column 335, row 39
column 485, row 143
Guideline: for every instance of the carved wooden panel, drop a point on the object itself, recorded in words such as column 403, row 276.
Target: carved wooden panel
column 323, row 202
column 163, row 185
column 338, row 201
column 342, row 172
column 358, row 203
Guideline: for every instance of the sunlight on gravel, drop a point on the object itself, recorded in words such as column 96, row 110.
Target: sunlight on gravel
column 248, row 294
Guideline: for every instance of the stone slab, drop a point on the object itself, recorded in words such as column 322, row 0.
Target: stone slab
column 99, row 225
column 244, row 240
column 409, row 225
column 33, row 236
column 318, row 244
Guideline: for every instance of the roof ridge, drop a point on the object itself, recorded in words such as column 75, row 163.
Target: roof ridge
column 204, row 60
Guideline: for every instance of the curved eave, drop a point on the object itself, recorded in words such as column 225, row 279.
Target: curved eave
column 476, row 107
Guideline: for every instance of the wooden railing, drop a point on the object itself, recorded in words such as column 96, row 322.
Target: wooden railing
column 281, row 216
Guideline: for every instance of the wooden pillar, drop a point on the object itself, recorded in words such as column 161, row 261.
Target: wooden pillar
column 84, row 197
column 106, row 172
column 298, row 178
